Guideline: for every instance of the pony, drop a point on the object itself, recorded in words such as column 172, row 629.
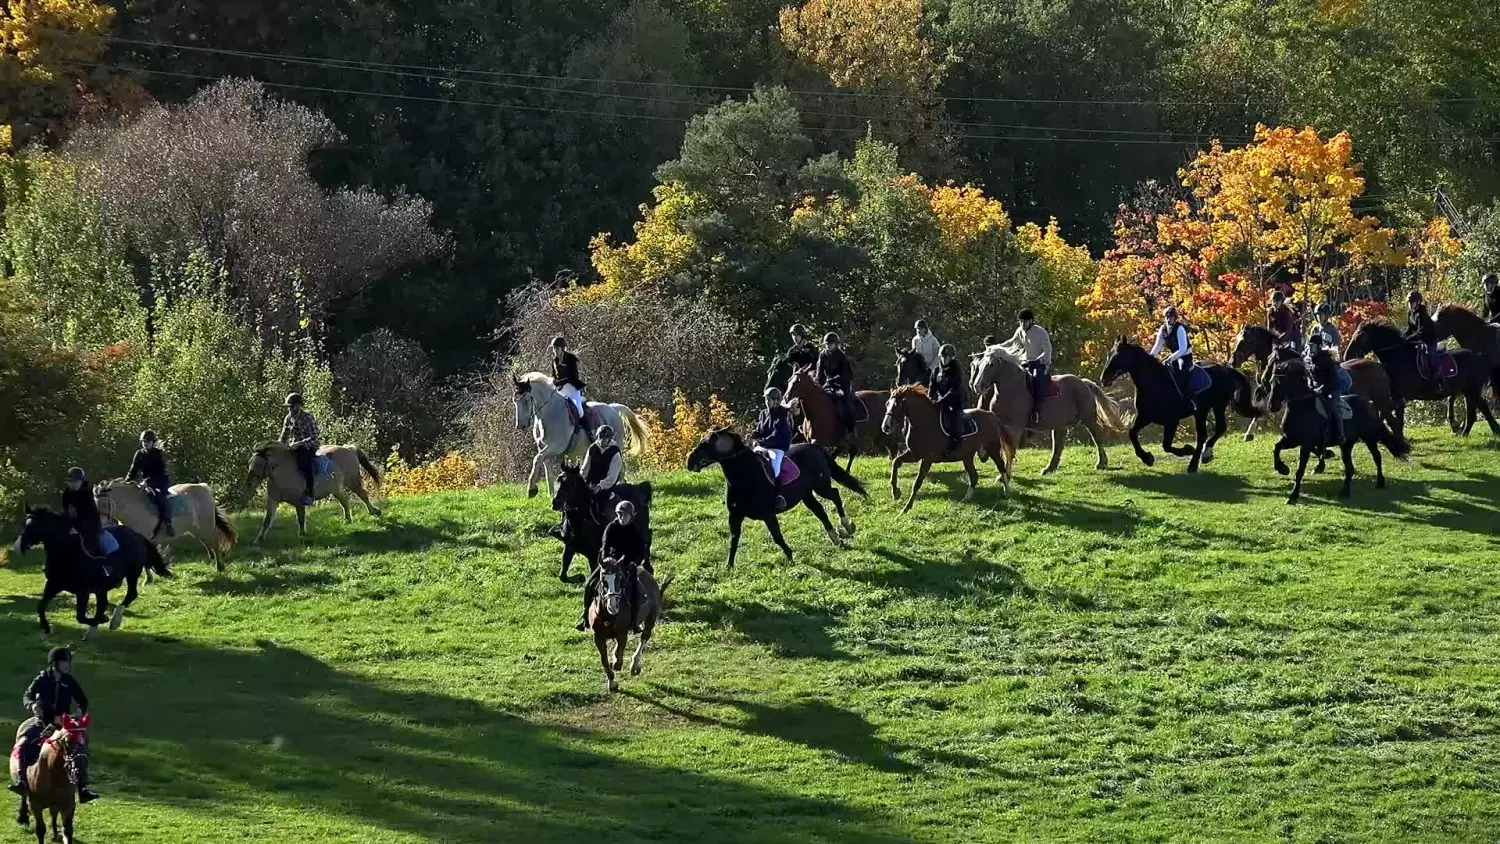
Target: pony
column 1079, row 401
column 583, row 525
column 610, row 616
column 70, row 569
column 1256, row 342
column 928, row 444
column 1399, row 358
column 202, row 519
column 1158, row 402
column 750, row 494
column 1306, row 428
column 1474, row 334
column 50, row 786
column 277, row 465
column 540, row 407
column 821, row 425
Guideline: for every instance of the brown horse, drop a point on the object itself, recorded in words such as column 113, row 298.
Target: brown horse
column 1371, row 382
column 201, row 518
column 1474, row 334
column 926, row 443
column 821, row 425
column 277, row 464
column 609, row 617
column 50, row 787
column 1079, row 402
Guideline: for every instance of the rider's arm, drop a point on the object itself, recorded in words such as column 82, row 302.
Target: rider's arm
column 1043, row 351
column 1160, row 341
column 286, row 428
column 613, row 475
column 78, row 695
column 29, row 699
column 135, row 467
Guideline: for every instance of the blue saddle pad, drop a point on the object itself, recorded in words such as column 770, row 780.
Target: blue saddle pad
column 1199, row 380
column 322, row 466
column 1346, row 382
column 108, row 544
column 178, row 506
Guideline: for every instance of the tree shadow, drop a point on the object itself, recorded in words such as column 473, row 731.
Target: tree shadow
column 1199, row 486
column 799, row 631
column 1466, row 516
column 263, row 582
column 970, row 579
column 368, row 534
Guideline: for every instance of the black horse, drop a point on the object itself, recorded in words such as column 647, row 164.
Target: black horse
column 70, row 569
column 1158, row 402
column 1399, row 357
column 750, row 493
column 1306, row 428
column 911, row 368
column 583, row 525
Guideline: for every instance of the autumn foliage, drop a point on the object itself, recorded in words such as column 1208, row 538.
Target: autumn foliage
column 668, row 447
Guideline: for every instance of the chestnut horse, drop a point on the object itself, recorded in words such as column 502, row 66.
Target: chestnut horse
column 610, row 616
column 1255, row 342
column 821, row 425
column 927, row 444
column 1079, row 402
column 50, row 787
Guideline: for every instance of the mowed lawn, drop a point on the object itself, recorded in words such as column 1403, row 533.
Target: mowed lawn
column 1135, row 655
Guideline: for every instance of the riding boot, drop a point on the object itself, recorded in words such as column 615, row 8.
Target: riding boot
column 780, row 499
column 86, row 794
column 589, row 589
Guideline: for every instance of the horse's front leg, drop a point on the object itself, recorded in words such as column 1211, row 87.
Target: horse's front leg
column 1200, row 431
column 49, row 591
column 1302, row 458
column 901, row 459
column 736, row 525
column 118, row 616
column 1281, row 467
column 342, row 498
column 774, row 526
column 1057, row 447
column 301, row 520
column 536, row 466
column 602, row 644
column 265, row 525
column 622, row 644
column 1145, row 456
column 916, row 484
column 1250, row 431
column 567, row 561
column 1348, row 449
column 82, row 613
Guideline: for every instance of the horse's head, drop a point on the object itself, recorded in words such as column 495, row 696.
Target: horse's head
column 260, row 467
column 612, row 586
column 1253, row 341
column 525, row 409
column 41, row 526
column 719, row 445
column 1458, row 321
column 1371, row 337
column 1123, row 358
column 800, row 384
column 572, row 491
column 911, row 367
column 895, row 406
column 1284, row 379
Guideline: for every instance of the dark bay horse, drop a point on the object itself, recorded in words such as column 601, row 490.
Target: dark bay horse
column 926, row 443
column 70, row 569
column 1474, row 334
column 1255, row 342
column 1157, row 401
column 1399, row 358
column 821, row 425
column 1306, row 428
column 583, row 524
column 749, row 493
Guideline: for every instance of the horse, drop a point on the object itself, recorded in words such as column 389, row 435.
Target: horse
column 821, row 425
column 131, row 505
column 1306, row 428
column 277, row 464
column 540, row 407
column 610, row 616
column 1399, row 358
column 1474, row 334
column 928, row 444
column 750, row 494
column 1256, row 342
column 1158, row 401
column 70, row 569
column 50, row 787
column 1079, row 401
column 911, row 367
column 583, row 525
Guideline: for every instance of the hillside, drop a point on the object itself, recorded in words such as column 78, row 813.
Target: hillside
column 1137, row 655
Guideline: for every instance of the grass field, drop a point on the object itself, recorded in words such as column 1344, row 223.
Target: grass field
column 1137, row 655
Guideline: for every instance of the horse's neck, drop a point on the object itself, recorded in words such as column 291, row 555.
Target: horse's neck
column 921, row 414
column 1150, row 373
column 1000, row 370
column 741, row 471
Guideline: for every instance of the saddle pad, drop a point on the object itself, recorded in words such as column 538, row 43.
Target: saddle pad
column 789, row 471
column 1054, row 389
column 178, row 505
column 1447, row 366
column 1346, row 412
column 322, row 466
column 971, row 427
column 1199, row 379
column 108, row 544
column 1346, row 382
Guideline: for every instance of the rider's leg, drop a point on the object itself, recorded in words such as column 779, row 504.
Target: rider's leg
column 777, row 456
column 80, row 761
column 305, row 465
column 29, row 748
column 1038, row 389
column 590, row 588
column 955, row 426
column 159, row 497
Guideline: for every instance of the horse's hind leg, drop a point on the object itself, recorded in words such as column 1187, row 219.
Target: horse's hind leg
column 301, row 520
column 1250, row 430
column 67, row 828
column 816, row 506
column 832, row 494
column 342, row 498
column 1097, row 436
column 1477, row 401
column 359, row 490
column 119, row 613
column 1302, row 458
column 774, row 526
column 1057, row 446
column 1373, row 444
column 1220, row 425
column 640, row 644
column 1348, row 452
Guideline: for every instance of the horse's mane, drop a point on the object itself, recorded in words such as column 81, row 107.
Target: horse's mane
column 909, row 390
column 538, row 380
column 1254, row 328
column 1459, row 310
column 1376, row 325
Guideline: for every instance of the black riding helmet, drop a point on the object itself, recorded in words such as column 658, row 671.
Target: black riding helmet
column 148, row 436
column 948, row 352
column 830, row 339
column 559, row 342
column 59, row 654
column 799, row 330
column 77, row 474
column 294, row 400
column 1414, row 296
column 1490, row 278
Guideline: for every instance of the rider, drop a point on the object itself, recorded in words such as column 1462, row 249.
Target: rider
column 926, row 344
column 1491, row 298
column 623, row 543
column 1326, row 329
column 836, row 377
column 82, row 510
column 1421, row 330
column 1173, row 337
column 773, row 433
column 300, row 433
column 947, row 392
column 1283, row 322
column 567, row 381
column 1032, row 345
column 150, row 467
column 802, row 353
column 1323, row 378
column 50, row 696
column 603, row 469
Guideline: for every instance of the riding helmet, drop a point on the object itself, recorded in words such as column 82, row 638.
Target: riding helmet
column 772, row 393
column 77, row 474
column 1027, row 315
column 293, row 399
column 947, row 351
column 1414, row 296
column 59, row 654
column 990, row 340
column 830, row 337
column 1490, row 278
column 148, row 436
column 799, row 328
column 604, row 433
column 921, row 324
column 559, row 343
column 1171, row 311
column 625, row 508
column 1324, row 309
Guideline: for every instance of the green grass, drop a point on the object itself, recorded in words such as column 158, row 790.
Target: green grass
column 1137, row 655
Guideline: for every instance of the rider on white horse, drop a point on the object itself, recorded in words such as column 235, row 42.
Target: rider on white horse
column 567, row 381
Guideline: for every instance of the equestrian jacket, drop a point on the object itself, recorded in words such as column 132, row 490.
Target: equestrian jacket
column 149, row 465
column 602, row 466
column 58, row 696
column 1332, row 340
column 947, row 387
column 79, row 506
column 773, row 429
column 1033, row 346
column 565, row 371
column 802, row 354
column 623, row 543
column 1419, row 326
column 1175, row 342
column 300, row 430
column 834, row 371
column 1283, row 323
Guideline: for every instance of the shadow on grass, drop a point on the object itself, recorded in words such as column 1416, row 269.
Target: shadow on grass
column 799, row 631
column 1203, row 485
column 244, row 729
column 268, row 582
column 368, row 534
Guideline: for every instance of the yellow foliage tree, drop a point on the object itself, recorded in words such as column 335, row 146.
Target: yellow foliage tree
column 873, row 45
column 45, row 49
column 668, row 447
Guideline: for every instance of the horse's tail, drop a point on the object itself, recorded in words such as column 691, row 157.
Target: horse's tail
column 368, row 465
column 227, row 533
column 154, row 561
column 638, row 433
column 1108, row 410
column 1244, row 395
column 844, row 479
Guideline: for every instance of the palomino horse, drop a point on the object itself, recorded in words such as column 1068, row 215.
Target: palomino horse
column 1399, row 358
column 278, row 465
column 926, row 443
column 821, row 425
column 1079, row 401
column 610, row 617
column 50, row 788
column 540, row 407
column 1158, row 401
column 1255, row 342
column 202, row 519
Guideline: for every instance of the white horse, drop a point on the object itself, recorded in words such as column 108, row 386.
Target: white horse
column 542, row 408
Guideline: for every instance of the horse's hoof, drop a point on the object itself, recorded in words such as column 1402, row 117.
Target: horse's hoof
column 1208, row 457
column 1292, row 499
column 848, row 527
column 1283, row 470
column 89, row 631
column 1049, row 470
column 1380, row 483
column 1249, row 438
column 116, row 618
column 610, row 686
column 531, row 492
column 376, row 512
column 1149, row 459
column 573, row 579
column 635, row 670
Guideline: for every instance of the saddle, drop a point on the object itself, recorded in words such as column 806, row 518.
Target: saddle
column 590, row 414
column 1346, row 411
column 970, row 426
column 789, row 470
column 1447, row 366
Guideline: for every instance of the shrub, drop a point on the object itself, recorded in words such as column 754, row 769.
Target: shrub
column 452, row 471
column 668, row 448
column 390, row 376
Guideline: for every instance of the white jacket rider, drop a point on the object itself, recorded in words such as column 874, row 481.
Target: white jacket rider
column 1182, row 356
column 926, row 344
